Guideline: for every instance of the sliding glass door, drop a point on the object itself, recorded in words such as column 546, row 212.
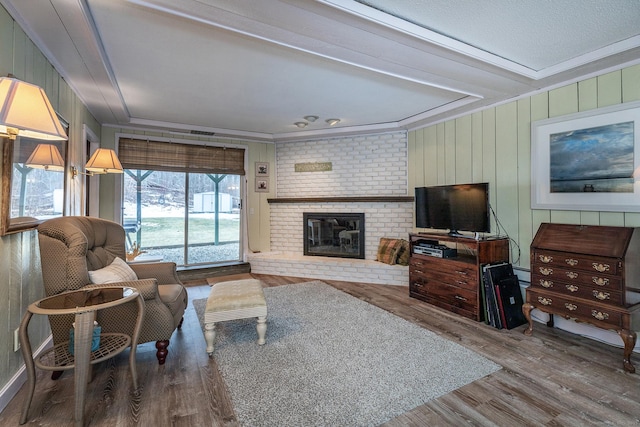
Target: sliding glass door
column 188, row 218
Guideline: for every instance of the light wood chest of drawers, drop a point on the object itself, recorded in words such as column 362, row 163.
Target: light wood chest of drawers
column 590, row 274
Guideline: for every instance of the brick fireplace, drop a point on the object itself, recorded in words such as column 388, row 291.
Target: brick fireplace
column 368, row 176
column 333, row 234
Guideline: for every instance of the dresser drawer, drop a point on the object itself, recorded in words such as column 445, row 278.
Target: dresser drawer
column 600, row 315
column 455, row 273
column 548, row 278
column 578, row 289
column 601, row 265
column 453, row 296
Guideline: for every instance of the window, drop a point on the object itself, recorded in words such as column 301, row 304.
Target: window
column 185, row 209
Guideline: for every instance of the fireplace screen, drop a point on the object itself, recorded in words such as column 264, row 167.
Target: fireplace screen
column 339, row 235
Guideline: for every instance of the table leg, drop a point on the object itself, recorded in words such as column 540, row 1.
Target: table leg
column 82, row 357
column 526, row 310
column 629, row 339
column 134, row 343
column 27, row 355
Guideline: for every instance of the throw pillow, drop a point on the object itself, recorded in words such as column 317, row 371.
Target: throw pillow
column 117, row 271
column 388, row 250
column 403, row 253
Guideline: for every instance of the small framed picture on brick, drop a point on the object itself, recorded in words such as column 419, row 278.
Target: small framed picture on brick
column 262, row 185
column 262, row 169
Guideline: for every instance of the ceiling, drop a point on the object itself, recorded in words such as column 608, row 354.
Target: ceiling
column 250, row 69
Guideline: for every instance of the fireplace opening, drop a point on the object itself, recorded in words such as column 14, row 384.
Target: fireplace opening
column 334, row 234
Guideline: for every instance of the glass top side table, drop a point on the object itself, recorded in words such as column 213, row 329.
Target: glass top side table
column 83, row 303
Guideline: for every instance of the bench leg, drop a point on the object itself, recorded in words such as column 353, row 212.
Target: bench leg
column 210, row 336
column 261, row 327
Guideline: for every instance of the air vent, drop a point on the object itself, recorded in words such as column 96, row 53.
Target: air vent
column 202, row 132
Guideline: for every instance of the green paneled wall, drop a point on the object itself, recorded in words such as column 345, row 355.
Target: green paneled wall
column 494, row 145
column 21, row 279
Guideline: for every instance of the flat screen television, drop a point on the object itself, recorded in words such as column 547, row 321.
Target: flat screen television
column 459, row 207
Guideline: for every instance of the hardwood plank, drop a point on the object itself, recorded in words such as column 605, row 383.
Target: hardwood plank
column 552, row 378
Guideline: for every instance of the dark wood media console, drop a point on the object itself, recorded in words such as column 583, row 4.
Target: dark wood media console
column 453, row 283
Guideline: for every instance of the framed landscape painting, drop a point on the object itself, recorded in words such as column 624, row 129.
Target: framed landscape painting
column 587, row 161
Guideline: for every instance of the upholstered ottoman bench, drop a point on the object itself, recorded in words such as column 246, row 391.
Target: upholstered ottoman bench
column 238, row 299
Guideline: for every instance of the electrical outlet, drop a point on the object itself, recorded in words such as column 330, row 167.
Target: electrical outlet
column 16, row 340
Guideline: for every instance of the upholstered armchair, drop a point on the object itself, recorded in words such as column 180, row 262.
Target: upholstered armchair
column 74, row 249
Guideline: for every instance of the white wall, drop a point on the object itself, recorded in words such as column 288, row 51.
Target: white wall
column 367, row 165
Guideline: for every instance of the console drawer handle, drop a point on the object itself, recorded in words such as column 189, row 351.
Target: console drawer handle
column 572, row 262
column 572, row 275
column 572, row 288
column 600, row 281
column 599, row 315
column 601, row 267
column 601, row 295
column 546, row 271
column 546, row 283
column 460, row 298
column 545, row 258
column 571, row 307
column 545, row 301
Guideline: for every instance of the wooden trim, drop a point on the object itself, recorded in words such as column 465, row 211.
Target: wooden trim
column 368, row 199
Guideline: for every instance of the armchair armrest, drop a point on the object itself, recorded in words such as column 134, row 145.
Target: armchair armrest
column 148, row 288
column 164, row 272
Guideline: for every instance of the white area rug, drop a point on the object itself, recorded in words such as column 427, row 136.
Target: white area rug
column 334, row 360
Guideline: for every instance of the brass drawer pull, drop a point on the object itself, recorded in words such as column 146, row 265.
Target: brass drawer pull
column 570, row 307
column 572, row 275
column 599, row 315
column 600, row 281
column 600, row 267
column 544, row 301
column 573, row 288
column 546, row 271
column 545, row 258
column 546, row 283
column 460, row 298
column 601, row 295
column 572, row 262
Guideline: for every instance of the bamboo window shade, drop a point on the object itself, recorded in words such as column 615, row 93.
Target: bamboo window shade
column 176, row 157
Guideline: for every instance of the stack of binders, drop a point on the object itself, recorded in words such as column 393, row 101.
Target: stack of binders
column 502, row 296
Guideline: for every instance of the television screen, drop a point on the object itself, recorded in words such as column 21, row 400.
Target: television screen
column 460, row 207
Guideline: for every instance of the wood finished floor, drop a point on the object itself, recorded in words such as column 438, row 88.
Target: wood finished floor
column 551, row 379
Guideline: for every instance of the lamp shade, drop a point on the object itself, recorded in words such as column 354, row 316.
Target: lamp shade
column 25, row 110
column 104, row 160
column 46, row 156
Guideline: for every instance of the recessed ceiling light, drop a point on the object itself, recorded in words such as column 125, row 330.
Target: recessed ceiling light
column 301, row 124
column 332, row 122
column 311, row 118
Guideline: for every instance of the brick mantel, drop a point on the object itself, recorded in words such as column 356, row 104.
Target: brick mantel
column 368, row 176
column 367, row 199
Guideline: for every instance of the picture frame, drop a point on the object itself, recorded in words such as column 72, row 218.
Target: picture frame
column 262, row 185
column 587, row 161
column 262, row 169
